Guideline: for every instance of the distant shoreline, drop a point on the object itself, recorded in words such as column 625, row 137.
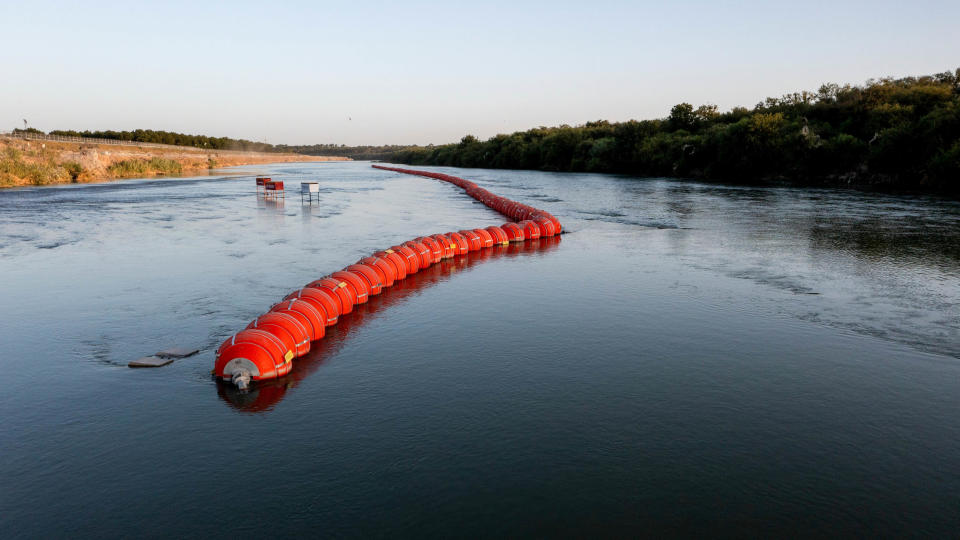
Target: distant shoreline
column 38, row 162
column 888, row 134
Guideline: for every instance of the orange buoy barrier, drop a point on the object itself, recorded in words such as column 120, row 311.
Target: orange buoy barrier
column 499, row 236
column 370, row 275
column 446, row 246
column 422, row 251
column 265, row 394
column 398, row 262
column 282, row 323
column 356, row 283
column 473, row 240
column 306, row 313
column 345, row 295
column 321, row 299
column 252, row 355
column 531, row 231
column 266, row 348
column 435, row 248
column 388, row 273
column 290, row 344
column 514, row 232
column 458, row 242
column 405, row 260
column 486, row 239
column 411, row 256
column 546, row 226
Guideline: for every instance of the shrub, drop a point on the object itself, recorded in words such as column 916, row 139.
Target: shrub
column 73, row 168
column 12, row 167
column 138, row 167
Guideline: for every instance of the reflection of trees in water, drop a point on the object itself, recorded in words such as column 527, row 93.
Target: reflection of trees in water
column 910, row 241
column 263, row 395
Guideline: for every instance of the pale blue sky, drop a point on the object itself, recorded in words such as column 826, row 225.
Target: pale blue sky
column 422, row 72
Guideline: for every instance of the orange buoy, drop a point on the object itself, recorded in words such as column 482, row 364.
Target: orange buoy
column 322, row 299
column 370, row 275
column 399, row 262
column 546, row 226
column 486, row 239
column 436, row 249
column 344, row 294
column 459, row 243
column 423, row 253
column 388, row 272
column 277, row 323
column 413, row 260
column 499, row 235
column 260, row 337
column 514, row 232
column 557, row 228
column 445, row 244
column 252, row 355
column 306, row 313
column 474, row 241
column 359, row 285
column 283, row 307
column 289, row 342
column 531, row 231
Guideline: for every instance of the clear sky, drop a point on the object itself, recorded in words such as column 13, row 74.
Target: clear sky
column 431, row 72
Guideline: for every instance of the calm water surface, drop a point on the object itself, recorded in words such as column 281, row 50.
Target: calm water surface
column 691, row 359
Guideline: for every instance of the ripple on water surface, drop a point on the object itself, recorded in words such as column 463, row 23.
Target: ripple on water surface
column 692, row 359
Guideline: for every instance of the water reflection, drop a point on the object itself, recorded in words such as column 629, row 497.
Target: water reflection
column 913, row 243
column 877, row 264
column 276, row 203
column 263, row 396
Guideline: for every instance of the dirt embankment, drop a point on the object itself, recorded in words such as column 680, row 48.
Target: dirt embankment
column 38, row 162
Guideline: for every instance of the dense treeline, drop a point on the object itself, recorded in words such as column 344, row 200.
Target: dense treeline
column 169, row 137
column 902, row 133
column 353, row 152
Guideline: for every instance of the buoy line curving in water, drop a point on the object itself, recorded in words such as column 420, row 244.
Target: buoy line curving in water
column 266, row 348
column 265, row 394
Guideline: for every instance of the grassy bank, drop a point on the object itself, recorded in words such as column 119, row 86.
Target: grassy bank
column 140, row 167
column 26, row 162
column 16, row 170
column 890, row 133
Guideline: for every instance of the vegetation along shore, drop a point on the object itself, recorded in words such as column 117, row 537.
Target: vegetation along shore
column 886, row 134
column 39, row 162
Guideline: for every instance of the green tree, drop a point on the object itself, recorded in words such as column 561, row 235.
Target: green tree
column 682, row 116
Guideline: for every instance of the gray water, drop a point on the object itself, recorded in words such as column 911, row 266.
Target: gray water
column 690, row 359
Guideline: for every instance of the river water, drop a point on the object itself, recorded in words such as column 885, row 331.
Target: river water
column 690, row 359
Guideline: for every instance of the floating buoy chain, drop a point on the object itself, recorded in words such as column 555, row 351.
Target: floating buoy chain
column 265, row 349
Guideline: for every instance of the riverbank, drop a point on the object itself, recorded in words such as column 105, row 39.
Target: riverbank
column 889, row 134
column 28, row 162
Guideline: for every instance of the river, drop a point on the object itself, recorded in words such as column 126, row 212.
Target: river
column 689, row 359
